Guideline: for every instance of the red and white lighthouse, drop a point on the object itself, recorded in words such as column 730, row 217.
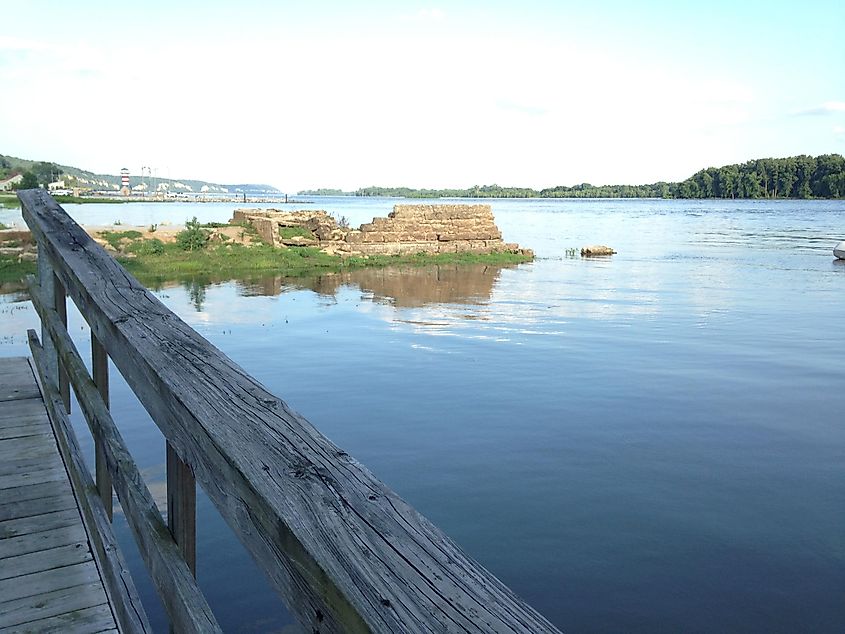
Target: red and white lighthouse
column 124, row 182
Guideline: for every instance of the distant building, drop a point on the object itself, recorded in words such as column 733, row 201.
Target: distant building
column 6, row 185
column 56, row 185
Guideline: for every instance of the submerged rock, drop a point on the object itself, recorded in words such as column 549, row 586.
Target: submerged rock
column 596, row 249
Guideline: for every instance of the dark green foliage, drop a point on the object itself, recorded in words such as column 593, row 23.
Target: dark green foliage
column 115, row 238
column 794, row 177
column 194, row 237
column 153, row 246
column 30, row 181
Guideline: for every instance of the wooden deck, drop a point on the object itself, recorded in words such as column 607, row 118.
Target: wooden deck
column 49, row 580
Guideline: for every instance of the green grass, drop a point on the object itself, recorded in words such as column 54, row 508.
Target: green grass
column 9, row 202
column 155, row 262
column 95, row 200
column 13, row 271
column 293, row 232
column 3, row 227
column 236, row 260
column 114, row 237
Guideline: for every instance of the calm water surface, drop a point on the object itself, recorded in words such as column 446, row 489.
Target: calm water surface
column 649, row 443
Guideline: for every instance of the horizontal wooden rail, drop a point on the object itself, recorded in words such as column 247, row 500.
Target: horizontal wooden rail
column 182, row 599
column 117, row 581
column 346, row 552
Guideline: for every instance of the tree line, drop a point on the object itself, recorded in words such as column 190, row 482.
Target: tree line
column 793, row 177
column 38, row 175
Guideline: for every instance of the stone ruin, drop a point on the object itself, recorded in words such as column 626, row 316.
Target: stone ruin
column 407, row 230
column 18, row 244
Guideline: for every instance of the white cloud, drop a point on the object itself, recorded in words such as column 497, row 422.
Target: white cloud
column 828, row 107
column 13, row 43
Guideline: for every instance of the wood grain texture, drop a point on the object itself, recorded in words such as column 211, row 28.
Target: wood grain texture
column 46, row 559
column 182, row 507
column 100, row 376
column 46, row 568
column 347, row 552
column 185, row 604
column 64, row 601
column 38, row 523
column 45, row 581
column 16, row 381
column 114, row 573
column 93, row 620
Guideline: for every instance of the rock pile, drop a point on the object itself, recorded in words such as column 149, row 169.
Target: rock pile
column 408, row 229
column 597, row 249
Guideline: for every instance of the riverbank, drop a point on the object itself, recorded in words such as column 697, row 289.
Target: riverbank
column 152, row 260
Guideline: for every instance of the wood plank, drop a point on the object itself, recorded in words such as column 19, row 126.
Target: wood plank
column 38, row 523
column 346, row 551
column 45, row 540
column 18, row 419
column 50, row 604
column 119, row 587
column 38, row 506
column 46, row 559
column 46, row 581
column 39, row 428
column 97, row 619
column 35, row 491
column 17, row 381
column 22, row 465
column 21, row 410
column 17, row 448
column 14, row 366
column 185, row 604
column 35, row 476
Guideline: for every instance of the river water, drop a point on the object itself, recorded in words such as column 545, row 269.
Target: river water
column 653, row 442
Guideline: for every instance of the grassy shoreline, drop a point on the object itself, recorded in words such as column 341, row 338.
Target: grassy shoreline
column 237, row 261
column 153, row 261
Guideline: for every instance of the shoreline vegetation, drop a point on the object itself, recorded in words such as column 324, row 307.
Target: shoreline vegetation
column 800, row 177
column 191, row 252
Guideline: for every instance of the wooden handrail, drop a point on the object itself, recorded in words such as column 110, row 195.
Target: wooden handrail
column 345, row 551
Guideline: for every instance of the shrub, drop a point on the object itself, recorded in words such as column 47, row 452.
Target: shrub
column 194, row 237
column 147, row 247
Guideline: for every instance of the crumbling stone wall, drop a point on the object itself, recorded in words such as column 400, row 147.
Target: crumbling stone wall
column 408, row 229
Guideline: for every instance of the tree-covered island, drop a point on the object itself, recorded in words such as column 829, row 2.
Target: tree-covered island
column 793, row 177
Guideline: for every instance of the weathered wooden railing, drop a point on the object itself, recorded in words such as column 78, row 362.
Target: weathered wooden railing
column 344, row 551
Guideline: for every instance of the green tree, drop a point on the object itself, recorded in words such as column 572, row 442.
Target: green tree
column 29, row 181
column 194, row 237
column 46, row 172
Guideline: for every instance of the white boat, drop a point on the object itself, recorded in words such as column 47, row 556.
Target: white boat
column 839, row 250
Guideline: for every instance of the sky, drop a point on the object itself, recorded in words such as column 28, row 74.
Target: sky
column 453, row 94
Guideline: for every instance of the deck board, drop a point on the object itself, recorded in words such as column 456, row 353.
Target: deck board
column 49, row 581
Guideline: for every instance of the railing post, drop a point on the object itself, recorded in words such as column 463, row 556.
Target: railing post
column 100, row 375
column 182, row 507
column 60, row 304
column 48, row 299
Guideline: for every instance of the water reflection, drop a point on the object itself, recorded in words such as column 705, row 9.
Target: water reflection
column 401, row 287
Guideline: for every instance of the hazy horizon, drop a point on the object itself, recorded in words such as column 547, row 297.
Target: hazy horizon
column 422, row 95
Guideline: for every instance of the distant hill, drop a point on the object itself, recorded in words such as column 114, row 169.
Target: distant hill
column 801, row 176
column 85, row 180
